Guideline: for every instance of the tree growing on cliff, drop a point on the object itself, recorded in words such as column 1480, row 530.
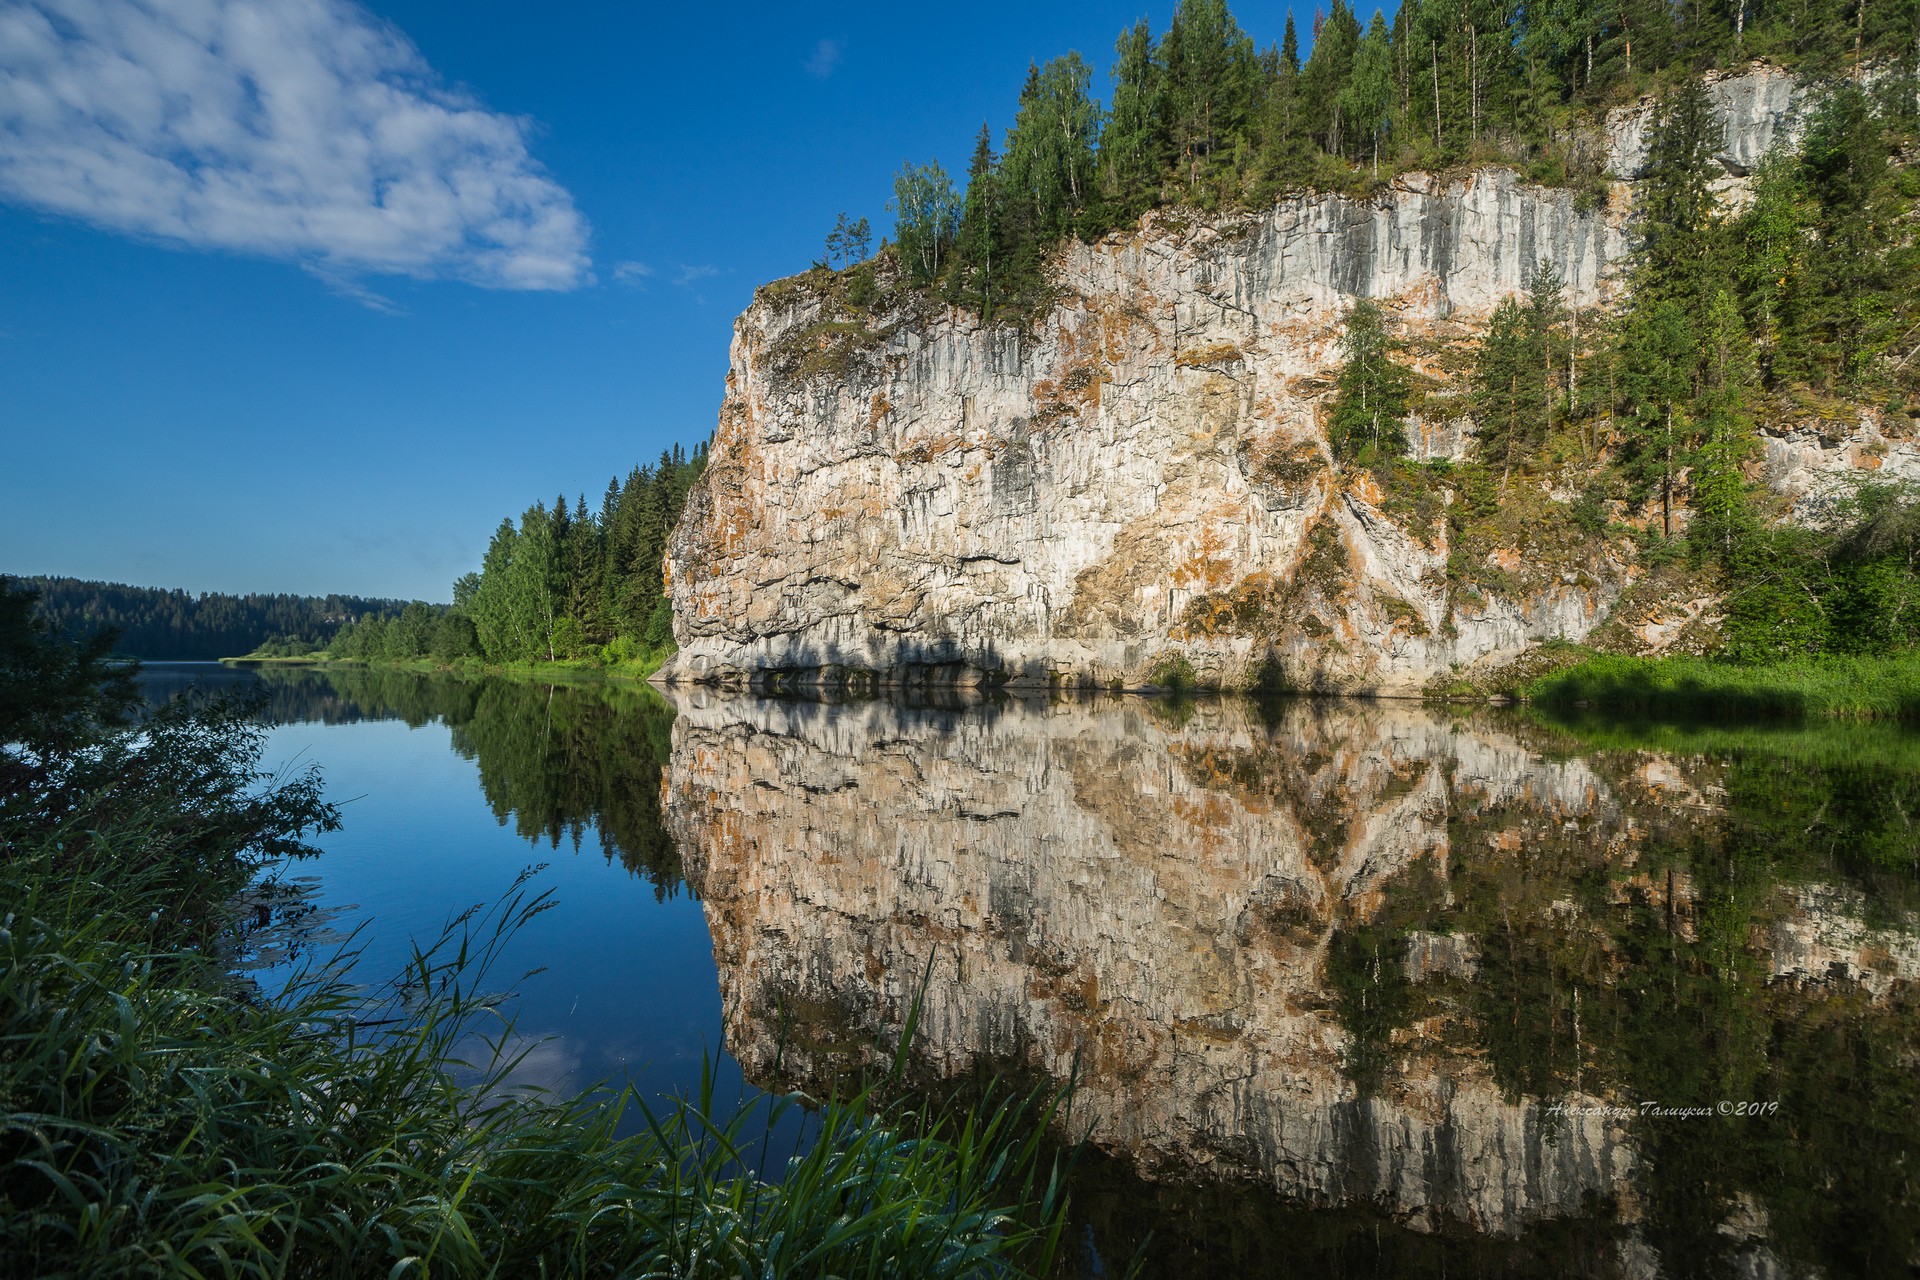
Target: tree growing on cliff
column 976, row 256
column 926, row 211
column 1860, row 255
column 1329, row 66
column 1517, row 374
column 1370, row 406
column 848, row 242
column 1208, row 89
column 1658, row 359
column 1366, row 100
column 1047, row 174
column 1677, row 225
column 1506, row 400
column 1133, row 146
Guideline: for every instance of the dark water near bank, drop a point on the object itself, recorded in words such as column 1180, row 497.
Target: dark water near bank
column 1350, row 988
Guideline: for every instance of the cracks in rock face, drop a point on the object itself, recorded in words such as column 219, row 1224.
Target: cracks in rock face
column 867, row 482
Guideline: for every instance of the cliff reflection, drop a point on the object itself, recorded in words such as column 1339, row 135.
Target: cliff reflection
column 1389, row 965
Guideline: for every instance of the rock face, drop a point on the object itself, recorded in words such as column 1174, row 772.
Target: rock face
column 961, row 499
column 1760, row 107
column 1816, row 465
column 1140, row 488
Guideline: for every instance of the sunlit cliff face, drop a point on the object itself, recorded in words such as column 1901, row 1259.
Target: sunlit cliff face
column 1357, row 952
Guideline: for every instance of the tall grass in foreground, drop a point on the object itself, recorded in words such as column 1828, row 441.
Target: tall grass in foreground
column 157, row 1118
column 160, row 1127
column 1862, row 688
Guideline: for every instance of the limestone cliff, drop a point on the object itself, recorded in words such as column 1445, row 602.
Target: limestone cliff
column 1140, row 485
column 1760, row 107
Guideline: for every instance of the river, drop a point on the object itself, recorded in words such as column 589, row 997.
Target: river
column 1349, row 988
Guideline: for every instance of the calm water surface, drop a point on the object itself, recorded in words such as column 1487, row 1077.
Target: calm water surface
column 1350, row 988
column 449, row 791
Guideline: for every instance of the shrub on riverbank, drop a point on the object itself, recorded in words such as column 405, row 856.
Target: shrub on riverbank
column 1860, row 688
column 163, row 1119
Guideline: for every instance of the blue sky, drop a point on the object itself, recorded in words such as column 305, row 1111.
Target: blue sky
column 304, row 295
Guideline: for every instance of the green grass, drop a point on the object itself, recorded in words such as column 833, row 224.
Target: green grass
column 640, row 667
column 1866, row 688
column 1828, row 743
column 163, row 1119
column 160, row 1127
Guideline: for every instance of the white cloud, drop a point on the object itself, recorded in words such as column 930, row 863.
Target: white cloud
column 304, row 130
column 826, row 56
column 631, row 272
column 688, row 276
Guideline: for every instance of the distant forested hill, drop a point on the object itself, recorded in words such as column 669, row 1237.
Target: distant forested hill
column 160, row 624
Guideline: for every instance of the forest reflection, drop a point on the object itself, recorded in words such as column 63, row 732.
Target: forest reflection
column 559, row 763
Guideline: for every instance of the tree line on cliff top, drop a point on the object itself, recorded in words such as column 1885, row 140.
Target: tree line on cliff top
column 1799, row 305
column 1200, row 115
column 1800, row 301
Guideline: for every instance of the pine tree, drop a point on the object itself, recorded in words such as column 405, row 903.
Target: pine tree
column 1370, row 404
column 532, row 581
column 1546, row 314
column 1507, row 405
column 1133, row 147
column 1328, row 69
column 1208, row 86
column 1366, row 101
column 1440, row 89
column 1047, row 172
column 1853, row 304
column 500, row 627
column 585, row 592
column 1677, row 204
column 972, row 282
column 1286, row 152
column 1773, row 236
column 1722, row 515
column 1658, row 360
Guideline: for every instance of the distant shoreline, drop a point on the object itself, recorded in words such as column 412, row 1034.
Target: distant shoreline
column 567, row 669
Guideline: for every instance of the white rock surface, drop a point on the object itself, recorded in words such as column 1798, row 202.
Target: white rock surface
column 1759, row 106
column 1819, row 465
column 1053, row 505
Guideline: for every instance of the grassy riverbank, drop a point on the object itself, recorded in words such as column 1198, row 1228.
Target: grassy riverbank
column 640, row 667
column 1864, row 688
column 164, row 1118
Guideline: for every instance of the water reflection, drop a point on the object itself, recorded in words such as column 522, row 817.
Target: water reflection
column 450, row 790
column 1403, row 970
column 557, row 762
